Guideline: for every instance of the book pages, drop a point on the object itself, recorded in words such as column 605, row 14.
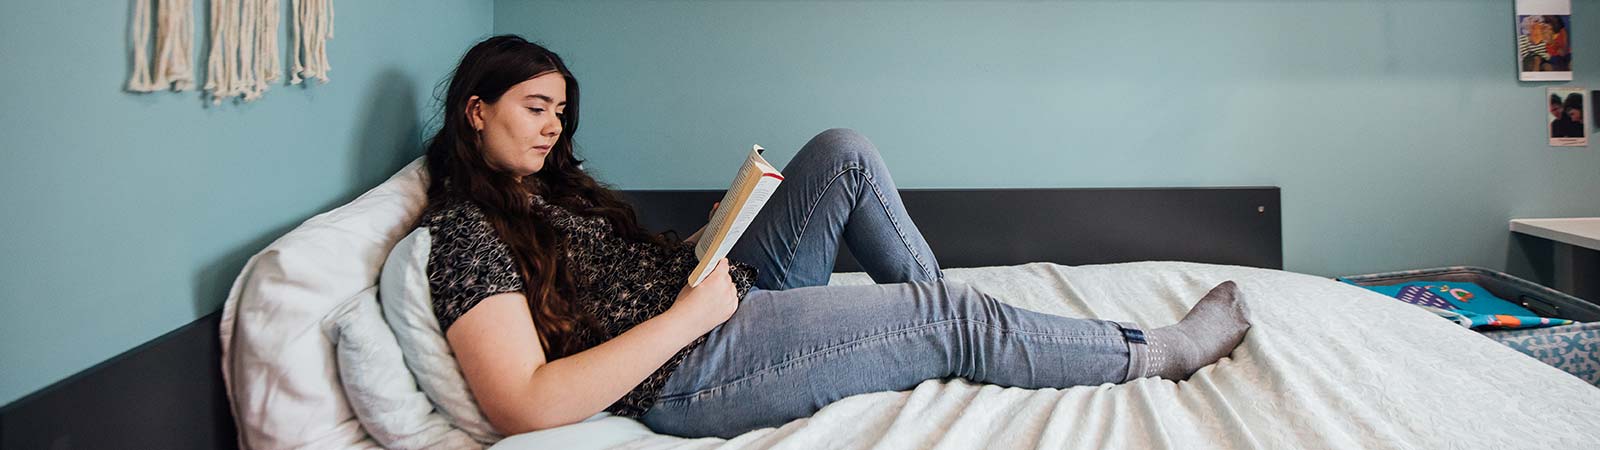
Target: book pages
column 751, row 188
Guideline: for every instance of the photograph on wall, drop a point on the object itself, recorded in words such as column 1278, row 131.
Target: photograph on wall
column 1595, row 117
column 1566, row 117
column 1544, row 40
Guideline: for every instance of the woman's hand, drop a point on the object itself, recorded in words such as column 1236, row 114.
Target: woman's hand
column 712, row 302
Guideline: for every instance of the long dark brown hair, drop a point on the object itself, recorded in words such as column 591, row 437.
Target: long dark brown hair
column 459, row 171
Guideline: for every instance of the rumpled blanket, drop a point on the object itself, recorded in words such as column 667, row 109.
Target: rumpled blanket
column 1325, row 365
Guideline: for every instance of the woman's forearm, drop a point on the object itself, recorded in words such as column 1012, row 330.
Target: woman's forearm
column 575, row 387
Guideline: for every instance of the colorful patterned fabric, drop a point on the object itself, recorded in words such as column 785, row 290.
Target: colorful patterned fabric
column 1574, row 349
column 1467, row 304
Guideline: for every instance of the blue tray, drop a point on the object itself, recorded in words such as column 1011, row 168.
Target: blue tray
column 1543, row 301
column 1573, row 348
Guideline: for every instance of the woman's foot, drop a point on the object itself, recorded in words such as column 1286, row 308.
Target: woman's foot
column 1207, row 333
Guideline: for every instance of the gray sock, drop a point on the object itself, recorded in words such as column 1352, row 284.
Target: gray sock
column 1207, row 333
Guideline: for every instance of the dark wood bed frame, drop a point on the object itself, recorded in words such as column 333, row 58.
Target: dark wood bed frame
column 168, row 393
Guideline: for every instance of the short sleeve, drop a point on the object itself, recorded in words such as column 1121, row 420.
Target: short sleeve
column 466, row 263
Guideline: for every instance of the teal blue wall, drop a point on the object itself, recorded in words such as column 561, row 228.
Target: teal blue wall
column 1397, row 129
column 126, row 216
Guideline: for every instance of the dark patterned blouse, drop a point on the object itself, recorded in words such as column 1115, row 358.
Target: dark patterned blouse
column 620, row 282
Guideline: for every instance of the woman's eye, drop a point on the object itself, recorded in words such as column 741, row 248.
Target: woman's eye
column 536, row 110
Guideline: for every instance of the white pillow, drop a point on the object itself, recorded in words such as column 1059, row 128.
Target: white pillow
column 278, row 366
column 408, row 307
column 380, row 388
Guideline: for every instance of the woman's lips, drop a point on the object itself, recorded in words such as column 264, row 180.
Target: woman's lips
column 542, row 148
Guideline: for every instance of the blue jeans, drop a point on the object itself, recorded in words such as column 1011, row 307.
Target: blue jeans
column 795, row 345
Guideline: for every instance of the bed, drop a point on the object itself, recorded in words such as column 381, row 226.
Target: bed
column 1326, row 365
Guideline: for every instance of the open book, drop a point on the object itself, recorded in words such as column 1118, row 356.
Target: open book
column 752, row 186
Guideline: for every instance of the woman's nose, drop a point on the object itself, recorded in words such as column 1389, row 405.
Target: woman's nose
column 552, row 129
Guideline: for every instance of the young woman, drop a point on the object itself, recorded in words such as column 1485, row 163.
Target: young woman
column 1569, row 116
column 558, row 305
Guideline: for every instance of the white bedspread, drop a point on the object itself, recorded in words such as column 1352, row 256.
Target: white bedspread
column 1325, row 366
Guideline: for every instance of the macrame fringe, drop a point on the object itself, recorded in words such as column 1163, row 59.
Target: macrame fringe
column 313, row 27
column 174, row 39
column 268, row 65
column 243, row 60
column 224, row 47
column 244, row 52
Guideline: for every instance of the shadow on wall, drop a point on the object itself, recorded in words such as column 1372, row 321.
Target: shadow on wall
column 389, row 138
column 391, row 135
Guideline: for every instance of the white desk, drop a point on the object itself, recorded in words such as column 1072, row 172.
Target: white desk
column 1580, row 231
column 1577, row 239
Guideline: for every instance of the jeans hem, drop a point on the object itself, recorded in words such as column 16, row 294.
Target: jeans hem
column 1138, row 348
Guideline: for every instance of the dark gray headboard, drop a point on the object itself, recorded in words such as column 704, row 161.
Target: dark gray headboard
column 168, row 393
column 989, row 227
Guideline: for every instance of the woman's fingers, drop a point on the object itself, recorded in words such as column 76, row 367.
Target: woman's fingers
column 723, row 280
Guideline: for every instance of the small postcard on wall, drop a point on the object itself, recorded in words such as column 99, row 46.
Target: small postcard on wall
column 1544, row 40
column 1566, row 117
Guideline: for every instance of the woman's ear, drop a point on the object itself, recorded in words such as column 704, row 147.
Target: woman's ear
column 475, row 112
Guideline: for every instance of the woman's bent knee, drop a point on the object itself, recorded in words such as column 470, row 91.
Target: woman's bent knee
column 843, row 144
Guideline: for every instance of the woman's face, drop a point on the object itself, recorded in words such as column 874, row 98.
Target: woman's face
column 519, row 130
column 1575, row 115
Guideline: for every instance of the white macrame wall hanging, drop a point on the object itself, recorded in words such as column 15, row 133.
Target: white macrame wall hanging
column 174, row 35
column 313, row 28
column 244, row 49
column 243, row 58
